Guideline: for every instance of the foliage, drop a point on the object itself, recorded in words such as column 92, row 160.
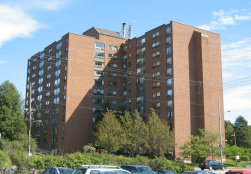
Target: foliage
column 134, row 132
column 242, row 132
column 3, row 157
column 201, row 146
column 89, row 148
column 15, row 146
column 109, row 133
column 12, row 123
column 229, row 131
column 159, row 137
column 235, row 150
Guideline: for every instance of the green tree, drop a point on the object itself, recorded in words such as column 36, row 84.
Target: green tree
column 134, row 132
column 201, row 146
column 159, row 137
column 235, row 150
column 12, row 123
column 109, row 133
column 242, row 132
column 229, row 131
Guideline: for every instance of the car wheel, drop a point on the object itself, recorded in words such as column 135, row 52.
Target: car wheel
column 210, row 168
column 202, row 168
column 223, row 168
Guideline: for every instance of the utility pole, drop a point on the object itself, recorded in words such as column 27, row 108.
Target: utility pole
column 29, row 138
column 220, row 131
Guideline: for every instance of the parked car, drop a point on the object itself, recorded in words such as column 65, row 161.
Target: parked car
column 158, row 171
column 99, row 169
column 56, row 170
column 212, row 164
column 137, row 169
column 238, row 172
column 198, row 172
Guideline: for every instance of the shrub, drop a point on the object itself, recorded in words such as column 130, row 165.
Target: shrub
column 3, row 157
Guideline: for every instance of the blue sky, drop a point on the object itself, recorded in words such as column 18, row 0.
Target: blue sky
column 27, row 26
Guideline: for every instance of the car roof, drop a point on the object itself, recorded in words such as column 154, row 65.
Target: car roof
column 239, row 171
column 133, row 165
column 99, row 166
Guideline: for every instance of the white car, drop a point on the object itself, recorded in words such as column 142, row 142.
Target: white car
column 99, row 169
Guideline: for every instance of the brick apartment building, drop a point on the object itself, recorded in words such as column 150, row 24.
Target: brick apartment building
column 174, row 68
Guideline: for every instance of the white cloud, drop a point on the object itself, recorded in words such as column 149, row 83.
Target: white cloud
column 47, row 4
column 224, row 18
column 15, row 23
column 237, row 53
column 241, row 18
column 238, row 98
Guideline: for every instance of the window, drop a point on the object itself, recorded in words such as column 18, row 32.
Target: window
column 48, row 85
column 98, row 73
column 63, row 117
column 48, row 67
column 62, row 139
column 141, row 61
column 99, row 45
column 155, row 44
column 111, row 83
column 141, row 89
column 67, row 40
column 56, row 100
column 58, row 54
column 140, row 70
column 40, row 80
column 58, row 63
column 112, row 65
column 140, row 80
column 155, row 64
column 156, row 54
column 129, row 73
column 168, row 40
column 45, row 131
column 170, row 115
column 56, row 82
column 34, row 67
column 141, row 42
column 130, row 55
column 155, row 34
column 99, row 54
column 129, row 101
column 140, row 99
column 112, row 56
column 111, row 47
column 48, row 76
column 114, row 93
column 49, row 50
column 99, row 82
column 49, row 59
column 59, row 45
column 156, row 95
column 40, row 89
column 40, row 73
column 97, row 101
column 63, row 129
column 155, row 74
column 156, row 105
column 168, row 30
column 169, row 71
column 64, row 87
column 169, row 60
column 169, row 50
column 66, row 58
column 56, row 91
column 98, row 91
column 169, row 103
column 169, row 82
column 66, row 49
column 57, row 73
column 65, row 68
column 110, row 74
column 46, row 112
column 41, row 56
column 156, row 84
column 41, row 64
column 34, row 60
column 47, row 103
column 98, row 63
column 33, row 76
column 33, row 83
column 141, row 51
column 112, row 102
column 46, row 121
column 129, row 82
column 169, row 92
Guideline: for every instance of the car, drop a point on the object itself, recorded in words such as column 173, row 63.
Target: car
column 137, row 169
column 99, row 169
column 248, row 165
column 158, row 171
column 56, row 170
column 238, row 172
column 198, row 172
column 212, row 164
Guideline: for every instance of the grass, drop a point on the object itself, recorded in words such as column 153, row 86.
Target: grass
column 231, row 164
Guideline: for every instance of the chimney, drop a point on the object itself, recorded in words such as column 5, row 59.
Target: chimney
column 124, row 29
column 130, row 31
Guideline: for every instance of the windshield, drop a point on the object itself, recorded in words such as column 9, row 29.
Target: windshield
column 145, row 170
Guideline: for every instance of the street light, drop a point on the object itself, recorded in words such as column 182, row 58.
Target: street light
column 220, row 146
